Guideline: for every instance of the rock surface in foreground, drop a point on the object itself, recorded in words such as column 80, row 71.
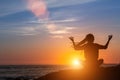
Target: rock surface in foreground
column 109, row 73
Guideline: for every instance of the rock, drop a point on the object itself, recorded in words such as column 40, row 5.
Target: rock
column 102, row 73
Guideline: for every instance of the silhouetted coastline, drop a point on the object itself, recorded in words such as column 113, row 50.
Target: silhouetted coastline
column 102, row 73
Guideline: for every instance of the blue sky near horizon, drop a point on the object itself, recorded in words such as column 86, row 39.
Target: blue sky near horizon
column 21, row 30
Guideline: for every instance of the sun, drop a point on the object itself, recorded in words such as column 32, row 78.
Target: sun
column 76, row 63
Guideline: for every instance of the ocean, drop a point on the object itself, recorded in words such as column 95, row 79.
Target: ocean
column 28, row 71
column 31, row 72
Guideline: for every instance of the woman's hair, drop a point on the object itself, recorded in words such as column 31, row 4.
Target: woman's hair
column 90, row 37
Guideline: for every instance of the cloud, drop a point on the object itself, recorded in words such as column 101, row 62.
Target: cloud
column 9, row 12
column 51, row 27
column 64, row 31
column 57, row 36
column 58, row 31
column 38, row 8
column 41, row 21
column 53, row 30
column 27, row 31
column 65, row 20
column 52, row 24
column 61, row 3
column 11, row 7
column 23, row 31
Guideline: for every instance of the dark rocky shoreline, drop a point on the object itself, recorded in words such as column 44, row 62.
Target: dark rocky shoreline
column 108, row 73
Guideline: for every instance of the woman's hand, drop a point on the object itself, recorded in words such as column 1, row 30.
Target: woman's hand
column 110, row 37
column 71, row 38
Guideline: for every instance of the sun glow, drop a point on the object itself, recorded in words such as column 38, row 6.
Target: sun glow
column 76, row 63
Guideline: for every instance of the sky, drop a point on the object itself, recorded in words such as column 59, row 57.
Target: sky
column 37, row 31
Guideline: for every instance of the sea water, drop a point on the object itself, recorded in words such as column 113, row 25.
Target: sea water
column 29, row 71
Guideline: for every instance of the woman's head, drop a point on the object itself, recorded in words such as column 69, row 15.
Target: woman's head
column 90, row 37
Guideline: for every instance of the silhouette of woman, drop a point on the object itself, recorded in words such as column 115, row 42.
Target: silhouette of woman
column 91, row 49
